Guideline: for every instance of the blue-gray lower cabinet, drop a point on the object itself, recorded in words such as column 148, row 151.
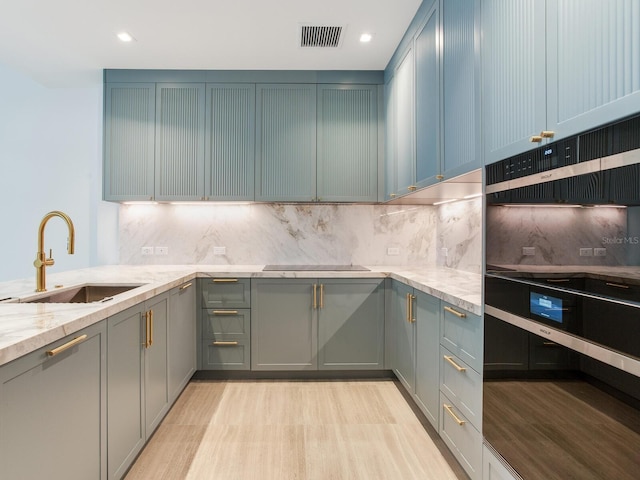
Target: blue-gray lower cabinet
column 404, row 364
column 311, row 324
column 226, row 339
column 137, row 379
column 53, row 410
column 181, row 338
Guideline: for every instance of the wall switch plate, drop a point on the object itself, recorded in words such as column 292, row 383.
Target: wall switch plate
column 393, row 251
column 162, row 250
column 147, row 251
column 219, row 250
column 586, row 252
column 528, row 251
column 599, row 252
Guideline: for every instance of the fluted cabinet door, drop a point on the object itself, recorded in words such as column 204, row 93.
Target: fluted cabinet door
column 405, row 123
column 347, row 168
column 390, row 184
column 180, row 119
column 286, row 142
column 460, row 87
column 129, row 115
column 230, row 142
column 593, row 63
column 513, row 75
column 428, row 100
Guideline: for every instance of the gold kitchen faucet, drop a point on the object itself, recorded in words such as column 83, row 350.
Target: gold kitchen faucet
column 42, row 262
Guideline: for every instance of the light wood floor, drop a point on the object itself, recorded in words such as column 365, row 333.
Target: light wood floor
column 227, row 430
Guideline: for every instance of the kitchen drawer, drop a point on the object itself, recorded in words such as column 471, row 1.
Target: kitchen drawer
column 462, row 385
column 462, row 438
column 226, row 354
column 226, row 292
column 227, row 322
column 461, row 334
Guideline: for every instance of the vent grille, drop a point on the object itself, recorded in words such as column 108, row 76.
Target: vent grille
column 322, row 37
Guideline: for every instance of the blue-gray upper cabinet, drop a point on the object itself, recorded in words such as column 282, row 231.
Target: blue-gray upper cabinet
column 556, row 66
column 404, row 131
column 462, row 151
column 427, row 103
column 179, row 155
column 390, row 182
column 129, row 141
column 285, row 142
column 230, row 142
column 347, row 162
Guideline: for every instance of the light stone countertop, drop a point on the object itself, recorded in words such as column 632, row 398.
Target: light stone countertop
column 25, row 327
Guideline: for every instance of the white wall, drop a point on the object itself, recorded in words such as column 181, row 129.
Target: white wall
column 50, row 159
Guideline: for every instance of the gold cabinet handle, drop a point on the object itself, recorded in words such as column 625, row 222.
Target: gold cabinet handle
column 455, row 417
column 455, row 365
column 411, row 317
column 558, row 280
column 617, row 285
column 225, row 280
column 412, row 188
column 547, row 134
column 550, row 344
column 315, row 296
column 392, row 195
column 455, row 312
column 184, row 287
column 225, row 344
column 66, row 346
column 321, row 295
column 536, row 139
column 225, row 312
column 439, row 177
column 151, row 328
column 146, row 329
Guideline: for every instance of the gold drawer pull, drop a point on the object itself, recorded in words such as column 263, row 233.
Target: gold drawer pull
column 225, row 280
column 225, row 312
column 455, row 312
column 225, row 344
column 536, row 139
column 450, row 412
column 558, row 280
column 547, row 134
column 184, row 287
column 66, row 346
column 550, row 344
column 455, row 365
column 617, row 285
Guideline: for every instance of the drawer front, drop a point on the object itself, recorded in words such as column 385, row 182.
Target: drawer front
column 232, row 324
column 462, row 385
column 226, row 355
column 226, row 293
column 461, row 334
column 464, row 441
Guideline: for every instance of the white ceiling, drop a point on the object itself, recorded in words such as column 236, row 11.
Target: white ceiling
column 69, row 42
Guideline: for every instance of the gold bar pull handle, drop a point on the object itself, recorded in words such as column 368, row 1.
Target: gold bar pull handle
column 550, row 344
column 184, row 287
column 455, row 365
column 547, row 134
column 536, row 139
column 315, row 296
column 411, row 317
column 321, row 295
column 455, row 312
column 66, row 346
column 225, row 280
column 225, row 344
column 151, row 329
column 617, row 285
column 146, row 330
column 455, row 417
column 225, row 312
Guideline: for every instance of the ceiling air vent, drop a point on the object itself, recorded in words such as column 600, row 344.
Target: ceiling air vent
column 320, row 36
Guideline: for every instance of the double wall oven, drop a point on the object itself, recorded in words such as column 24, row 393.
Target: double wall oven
column 561, row 380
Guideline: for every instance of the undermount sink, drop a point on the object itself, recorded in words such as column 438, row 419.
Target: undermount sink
column 83, row 294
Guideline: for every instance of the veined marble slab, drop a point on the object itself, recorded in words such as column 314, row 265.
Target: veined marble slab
column 26, row 327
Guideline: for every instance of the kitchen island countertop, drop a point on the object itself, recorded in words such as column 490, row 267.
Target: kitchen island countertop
column 25, row 327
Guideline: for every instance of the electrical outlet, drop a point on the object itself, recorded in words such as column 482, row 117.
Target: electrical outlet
column 219, row 250
column 147, row 251
column 393, row 251
column 586, row 252
column 162, row 250
column 528, row 251
column 599, row 252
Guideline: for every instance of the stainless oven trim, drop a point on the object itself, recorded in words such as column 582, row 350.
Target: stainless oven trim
column 610, row 357
column 623, row 159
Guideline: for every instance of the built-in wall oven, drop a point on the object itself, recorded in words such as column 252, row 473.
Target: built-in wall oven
column 561, row 379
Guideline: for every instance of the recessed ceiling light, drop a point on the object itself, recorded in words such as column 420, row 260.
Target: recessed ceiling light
column 125, row 37
column 366, row 37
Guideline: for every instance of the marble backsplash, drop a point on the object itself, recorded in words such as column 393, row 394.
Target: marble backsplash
column 557, row 234
column 448, row 235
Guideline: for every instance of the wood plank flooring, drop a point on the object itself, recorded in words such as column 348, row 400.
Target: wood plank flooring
column 329, row 430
